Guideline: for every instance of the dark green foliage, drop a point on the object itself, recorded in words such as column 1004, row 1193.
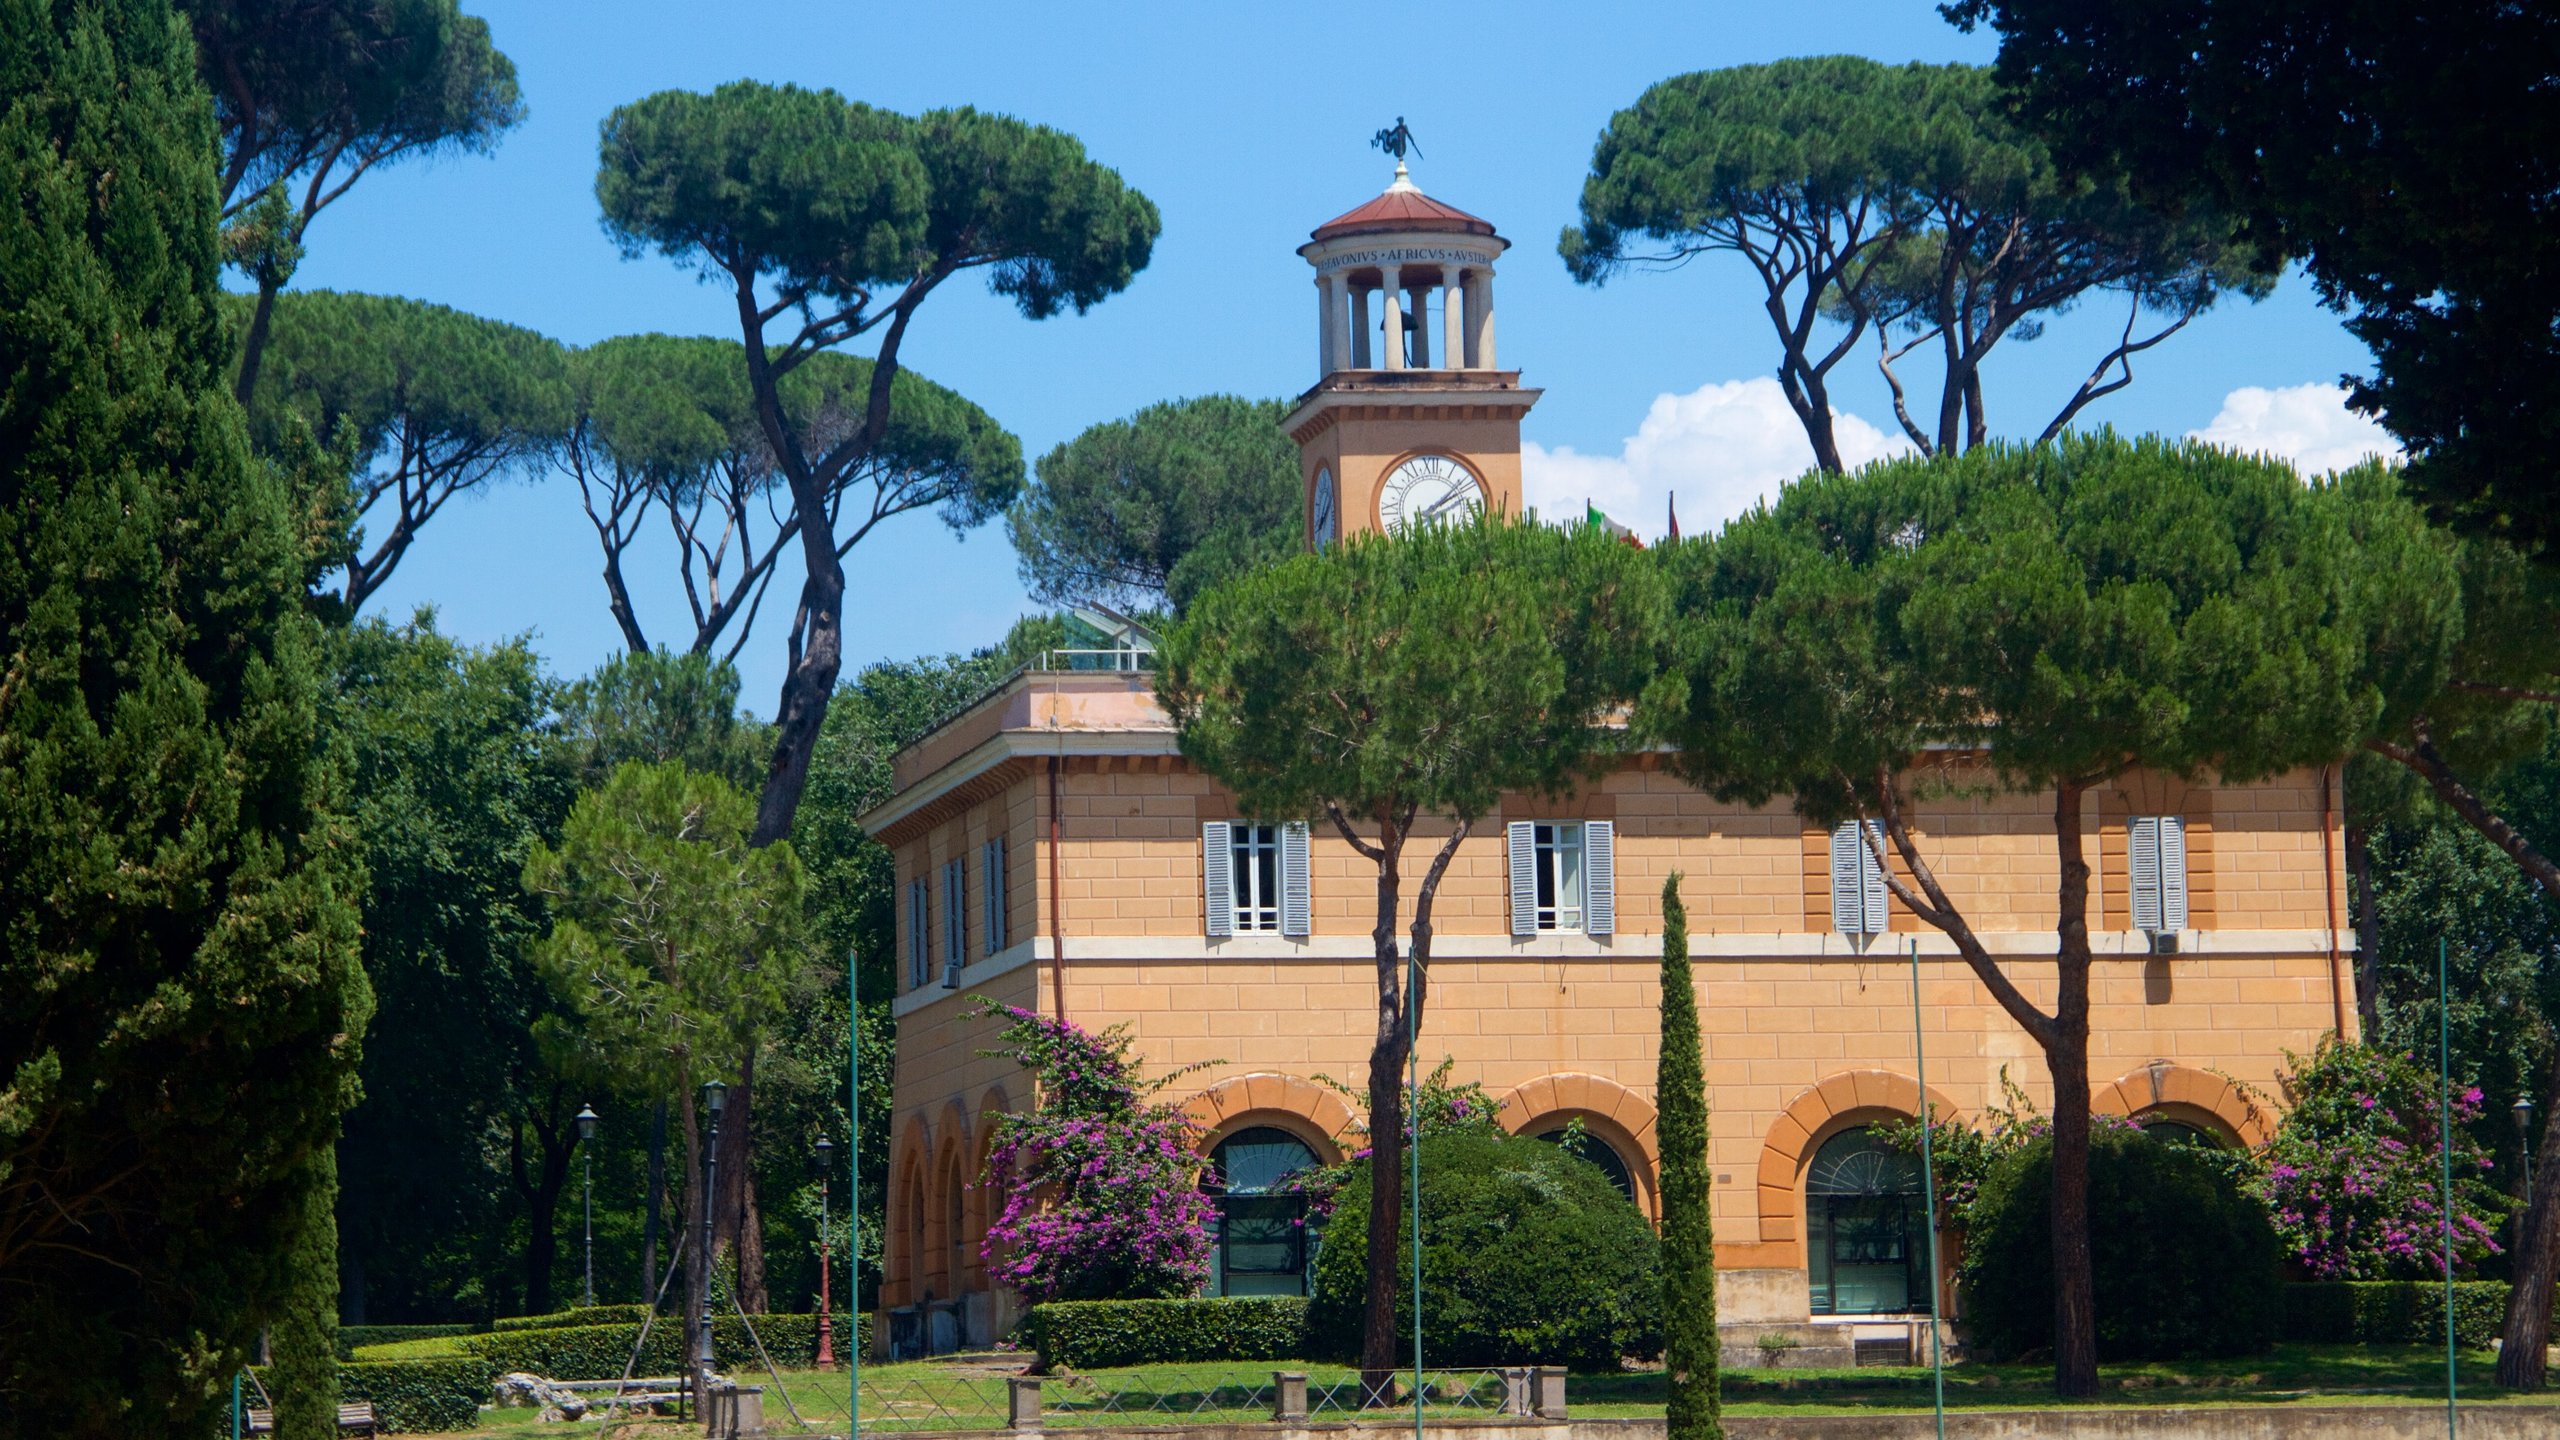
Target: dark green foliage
column 351, row 1336
column 180, row 938
column 1529, row 1256
column 1900, row 198
column 656, row 706
column 1100, row 1334
column 427, row 401
column 599, row 1352
column 2185, row 1265
column 1162, row 505
column 2391, row 1312
column 568, row 1319
column 305, row 1332
column 1690, row 1349
column 2403, row 152
column 457, row 775
column 418, row 1395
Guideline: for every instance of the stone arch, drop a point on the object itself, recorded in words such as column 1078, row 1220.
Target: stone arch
column 2183, row 1092
column 1853, row 1097
column 986, row 1193
column 903, row 1265
column 1303, row 1108
column 945, row 1193
column 1618, row 1116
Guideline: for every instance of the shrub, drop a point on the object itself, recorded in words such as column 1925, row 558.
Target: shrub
column 2393, row 1312
column 351, row 1336
column 1098, row 1334
column 410, row 1395
column 2184, row 1260
column 565, row 1319
column 1529, row 1256
column 599, row 1352
column 2354, row 1177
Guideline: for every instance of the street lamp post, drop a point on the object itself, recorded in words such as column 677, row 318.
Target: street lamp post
column 826, row 1325
column 587, row 1119
column 714, row 1096
column 2523, row 1113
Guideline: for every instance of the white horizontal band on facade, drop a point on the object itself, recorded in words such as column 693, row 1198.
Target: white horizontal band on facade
column 2197, row 950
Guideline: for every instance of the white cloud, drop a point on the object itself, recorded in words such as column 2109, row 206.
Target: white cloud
column 2309, row 425
column 1717, row 449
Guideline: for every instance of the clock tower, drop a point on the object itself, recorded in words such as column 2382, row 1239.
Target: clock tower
column 1412, row 420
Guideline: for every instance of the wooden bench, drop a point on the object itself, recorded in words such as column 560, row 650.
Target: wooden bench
column 354, row 1418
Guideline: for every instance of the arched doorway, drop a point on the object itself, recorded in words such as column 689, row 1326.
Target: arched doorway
column 1583, row 1143
column 1866, row 1236
column 1262, row 1244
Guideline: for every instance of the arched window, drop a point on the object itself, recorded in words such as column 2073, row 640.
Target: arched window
column 1261, row 1244
column 1866, row 1237
column 2179, row 1132
column 1599, row 1152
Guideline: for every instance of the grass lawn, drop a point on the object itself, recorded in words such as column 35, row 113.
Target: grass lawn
column 935, row 1395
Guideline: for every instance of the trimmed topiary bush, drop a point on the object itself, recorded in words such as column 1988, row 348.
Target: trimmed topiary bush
column 352, row 1336
column 565, row 1319
column 2185, row 1262
column 1098, row 1334
column 412, row 1395
column 599, row 1352
column 2393, row 1312
column 1529, row 1256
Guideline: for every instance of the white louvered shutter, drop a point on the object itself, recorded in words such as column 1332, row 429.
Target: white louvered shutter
column 2142, row 870
column 1217, row 871
column 2173, row 873
column 1295, row 898
column 1848, row 908
column 1524, row 877
column 1599, row 877
column 1871, row 891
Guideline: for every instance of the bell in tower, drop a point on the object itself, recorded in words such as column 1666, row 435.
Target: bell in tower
column 1411, row 420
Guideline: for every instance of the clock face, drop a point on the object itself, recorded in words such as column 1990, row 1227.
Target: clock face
column 1322, row 523
column 1427, row 489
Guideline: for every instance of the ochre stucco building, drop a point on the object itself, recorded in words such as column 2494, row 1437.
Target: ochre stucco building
column 1054, row 851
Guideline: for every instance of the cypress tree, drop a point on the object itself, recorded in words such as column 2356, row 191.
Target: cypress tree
column 1689, row 1344
column 178, row 942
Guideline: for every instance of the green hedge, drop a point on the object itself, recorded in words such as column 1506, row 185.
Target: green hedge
column 599, row 1352
column 2393, row 1312
column 412, row 1395
column 351, row 1336
column 568, row 1319
column 1098, row 1334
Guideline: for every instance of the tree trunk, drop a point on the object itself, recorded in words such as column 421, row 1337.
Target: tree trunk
column 2527, row 1331
column 2075, row 1313
column 685, row 1218
column 253, row 344
column 649, row 1221
column 2368, row 930
column 740, row 1223
column 1387, row 1051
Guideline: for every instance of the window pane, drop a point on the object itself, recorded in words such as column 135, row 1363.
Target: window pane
column 1569, row 877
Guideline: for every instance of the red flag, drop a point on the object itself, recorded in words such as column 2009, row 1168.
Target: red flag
column 1675, row 517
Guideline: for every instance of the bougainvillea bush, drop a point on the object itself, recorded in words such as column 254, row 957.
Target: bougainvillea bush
column 1101, row 1184
column 2354, row 1179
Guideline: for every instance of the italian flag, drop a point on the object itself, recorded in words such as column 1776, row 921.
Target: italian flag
column 1593, row 516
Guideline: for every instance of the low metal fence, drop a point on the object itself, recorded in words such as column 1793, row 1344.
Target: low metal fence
column 924, row 1397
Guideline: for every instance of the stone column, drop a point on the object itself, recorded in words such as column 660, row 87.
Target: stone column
column 1453, row 310
column 1391, row 294
column 1359, row 327
column 1484, row 321
column 1324, row 327
column 1337, row 353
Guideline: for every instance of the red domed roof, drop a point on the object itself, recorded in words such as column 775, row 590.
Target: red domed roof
column 1403, row 209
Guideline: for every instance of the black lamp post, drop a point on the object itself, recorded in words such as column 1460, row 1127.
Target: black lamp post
column 2523, row 1113
column 826, row 1325
column 714, row 1096
column 587, row 1119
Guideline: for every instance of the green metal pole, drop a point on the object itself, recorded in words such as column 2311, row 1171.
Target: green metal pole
column 853, row 1182
column 1413, row 1188
column 235, row 1405
column 1929, row 1189
column 2444, row 1150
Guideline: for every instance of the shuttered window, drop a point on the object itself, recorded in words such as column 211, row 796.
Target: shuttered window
column 1857, row 886
column 919, row 940
column 1255, row 878
column 955, row 920
column 991, row 881
column 2156, row 855
column 1563, row 876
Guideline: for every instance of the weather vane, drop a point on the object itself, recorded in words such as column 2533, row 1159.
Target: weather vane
column 1396, row 141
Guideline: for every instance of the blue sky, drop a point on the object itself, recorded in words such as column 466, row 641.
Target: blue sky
column 1247, row 126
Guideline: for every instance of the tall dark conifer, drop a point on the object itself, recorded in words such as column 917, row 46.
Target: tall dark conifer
column 1689, row 1345
column 177, row 934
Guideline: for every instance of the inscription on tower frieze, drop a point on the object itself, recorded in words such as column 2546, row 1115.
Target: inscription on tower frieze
column 1404, row 255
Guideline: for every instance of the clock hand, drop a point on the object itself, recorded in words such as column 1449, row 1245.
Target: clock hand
column 1445, row 503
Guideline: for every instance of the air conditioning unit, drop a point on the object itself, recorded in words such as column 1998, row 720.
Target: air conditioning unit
column 951, row 976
